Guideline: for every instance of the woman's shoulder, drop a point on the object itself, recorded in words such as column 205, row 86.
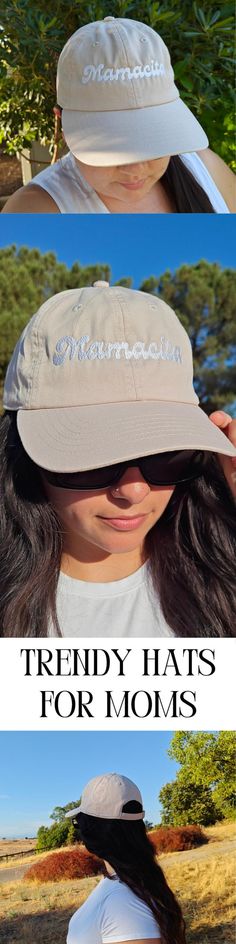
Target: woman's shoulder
column 30, row 199
column 222, row 175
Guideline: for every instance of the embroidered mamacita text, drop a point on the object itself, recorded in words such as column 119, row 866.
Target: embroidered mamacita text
column 69, row 348
column 102, row 74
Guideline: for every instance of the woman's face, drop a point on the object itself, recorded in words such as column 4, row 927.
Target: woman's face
column 115, row 520
column 127, row 180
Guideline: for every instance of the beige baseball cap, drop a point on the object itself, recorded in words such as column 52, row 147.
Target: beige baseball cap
column 115, row 84
column 102, row 375
column 106, row 796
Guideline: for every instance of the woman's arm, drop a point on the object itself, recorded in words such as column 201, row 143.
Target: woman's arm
column 224, row 421
column 30, row 199
column 222, row 175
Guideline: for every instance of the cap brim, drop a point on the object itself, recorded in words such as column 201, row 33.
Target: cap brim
column 72, row 813
column 108, row 138
column 80, row 438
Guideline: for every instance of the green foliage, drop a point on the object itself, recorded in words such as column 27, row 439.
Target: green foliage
column 202, row 296
column 199, row 37
column 62, row 833
column 204, row 788
column 27, row 279
column 53, row 837
column 186, row 804
column 59, row 812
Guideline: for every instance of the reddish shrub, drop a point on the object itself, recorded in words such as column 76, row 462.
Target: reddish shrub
column 177, row 838
column 69, row 863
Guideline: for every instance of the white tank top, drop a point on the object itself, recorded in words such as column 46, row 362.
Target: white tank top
column 72, row 194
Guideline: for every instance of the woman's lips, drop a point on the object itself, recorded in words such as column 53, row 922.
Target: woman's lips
column 125, row 524
column 132, row 185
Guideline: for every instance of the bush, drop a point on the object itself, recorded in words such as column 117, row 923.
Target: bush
column 70, row 863
column 52, row 837
column 177, row 838
column 199, row 36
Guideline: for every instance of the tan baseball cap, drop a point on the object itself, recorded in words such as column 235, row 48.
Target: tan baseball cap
column 102, row 375
column 107, row 795
column 115, row 84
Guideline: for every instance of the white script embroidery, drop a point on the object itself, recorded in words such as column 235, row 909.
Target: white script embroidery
column 101, row 74
column 69, row 347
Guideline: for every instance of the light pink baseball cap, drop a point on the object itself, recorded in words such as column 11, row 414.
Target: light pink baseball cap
column 115, row 84
column 102, row 375
column 106, row 796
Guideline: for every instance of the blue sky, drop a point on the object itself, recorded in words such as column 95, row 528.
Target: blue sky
column 41, row 770
column 132, row 245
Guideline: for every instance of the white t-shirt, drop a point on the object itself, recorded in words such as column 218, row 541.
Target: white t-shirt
column 112, row 913
column 127, row 607
column 72, row 194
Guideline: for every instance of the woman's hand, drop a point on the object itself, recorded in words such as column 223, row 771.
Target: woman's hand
column 225, row 422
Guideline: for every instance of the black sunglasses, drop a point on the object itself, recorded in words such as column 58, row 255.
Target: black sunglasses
column 166, row 468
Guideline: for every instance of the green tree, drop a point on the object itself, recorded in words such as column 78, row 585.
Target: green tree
column 27, row 279
column 203, row 296
column 59, row 812
column 199, row 36
column 53, row 837
column 204, row 788
column 62, row 832
column 186, row 804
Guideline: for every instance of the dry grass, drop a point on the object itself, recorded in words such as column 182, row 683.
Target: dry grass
column 206, row 891
column 32, row 913
column 205, row 888
column 16, row 847
column 8, row 846
column 221, row 831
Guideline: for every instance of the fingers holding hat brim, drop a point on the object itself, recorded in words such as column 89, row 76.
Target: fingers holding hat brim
column 111, row 138
column 75, row 439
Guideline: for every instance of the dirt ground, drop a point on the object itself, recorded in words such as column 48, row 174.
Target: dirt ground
column 10, row 174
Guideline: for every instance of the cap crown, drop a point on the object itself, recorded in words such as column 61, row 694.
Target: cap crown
column 100, row 345
column 106, row 795
column 114, row 64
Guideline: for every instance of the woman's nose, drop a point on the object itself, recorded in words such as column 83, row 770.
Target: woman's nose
column 134, row 168
column 132, row 487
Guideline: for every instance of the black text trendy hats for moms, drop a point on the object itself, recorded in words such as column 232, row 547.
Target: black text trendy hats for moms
column 115, row 84
column 106, row 796
column 102, row 375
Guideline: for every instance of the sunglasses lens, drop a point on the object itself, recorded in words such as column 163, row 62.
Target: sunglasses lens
column 170, row 468
column 166, row 468
column 92, row 479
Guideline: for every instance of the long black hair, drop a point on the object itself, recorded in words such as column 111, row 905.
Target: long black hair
column 181, row 185
column 126, row 846
column 191, row 550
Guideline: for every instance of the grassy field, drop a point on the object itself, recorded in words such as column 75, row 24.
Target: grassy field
column 13, row 846
column 32, row 913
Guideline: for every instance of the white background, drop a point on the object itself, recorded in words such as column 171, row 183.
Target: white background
column 21, row 699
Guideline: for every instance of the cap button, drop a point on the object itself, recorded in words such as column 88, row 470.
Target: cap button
column 101, row 284
column 108, row 19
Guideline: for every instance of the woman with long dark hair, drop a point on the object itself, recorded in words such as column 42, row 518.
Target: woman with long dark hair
column 117, row 491
column 134, row 146
column 134, row 903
